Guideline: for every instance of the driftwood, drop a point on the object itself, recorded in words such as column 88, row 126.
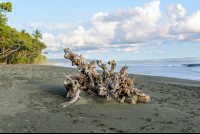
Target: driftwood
column 109, row 85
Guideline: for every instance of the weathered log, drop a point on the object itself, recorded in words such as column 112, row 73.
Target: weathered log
column 109, row 85
column 132, row 99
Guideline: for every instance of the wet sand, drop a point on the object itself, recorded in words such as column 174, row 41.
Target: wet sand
column 32, row 100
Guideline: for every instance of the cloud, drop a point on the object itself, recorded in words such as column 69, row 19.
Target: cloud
column 181, row 37
column 130, row 49
column 175, row 12
column 136, row 26
column 159, row 44
column 80, row 37
column 50, row 41
column 161, row 52
column 86, row 56
column 54, row 26
column 122, row 45
column 136, row 52
column 118, row 50
column 190, row 24
column 62, row 38
column 141, row 25
column 96, row 51
column 54, row 49
column 196, row 40
column 125, row 30
column 152, row 47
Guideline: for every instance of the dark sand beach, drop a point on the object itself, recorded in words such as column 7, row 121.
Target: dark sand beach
column 32, row 99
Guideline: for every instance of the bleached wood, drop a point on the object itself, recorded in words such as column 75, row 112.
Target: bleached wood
column 76, row 96
column 109, row 84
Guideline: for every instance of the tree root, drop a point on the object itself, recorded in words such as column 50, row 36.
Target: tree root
column 109, row 85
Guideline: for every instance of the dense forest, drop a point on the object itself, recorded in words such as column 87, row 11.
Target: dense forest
column 19, row 47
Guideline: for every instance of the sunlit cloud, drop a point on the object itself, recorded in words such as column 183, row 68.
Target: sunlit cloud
column 125, row 30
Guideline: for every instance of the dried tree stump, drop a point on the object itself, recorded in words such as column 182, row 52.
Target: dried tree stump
column 109, row 85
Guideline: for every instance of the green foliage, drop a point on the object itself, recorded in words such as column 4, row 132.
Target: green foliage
column 40, row 59
column 6, row 7
column 37, row 34
column 3, row 20
column 19, row 47
column 23, row 60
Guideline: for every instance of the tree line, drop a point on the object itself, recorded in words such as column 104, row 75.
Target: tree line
column 18, row 46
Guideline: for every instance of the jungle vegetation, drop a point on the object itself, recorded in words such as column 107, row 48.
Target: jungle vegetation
column 19, row 47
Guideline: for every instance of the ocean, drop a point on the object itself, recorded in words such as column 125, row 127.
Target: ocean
column 183, row 68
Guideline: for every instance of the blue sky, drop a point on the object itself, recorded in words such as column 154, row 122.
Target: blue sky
column 114, row 29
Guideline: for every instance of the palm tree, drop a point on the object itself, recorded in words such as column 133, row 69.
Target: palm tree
column 37, row 35
column 23, row 31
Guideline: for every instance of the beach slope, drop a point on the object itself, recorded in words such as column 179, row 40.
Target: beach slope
column 32, row 99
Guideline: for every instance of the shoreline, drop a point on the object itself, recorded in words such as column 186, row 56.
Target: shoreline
column 53, row 64
column 33, row 99
column 132, row 74
column 136, row 73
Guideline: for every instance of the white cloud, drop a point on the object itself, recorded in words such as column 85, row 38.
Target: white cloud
column 136, row 52
column 150, row 48
column 160, row 52
column 130, row 49
column 96, row 51
column 86, row 56
column 62, row 38
column 54, row 49
column 118, row 50
column 125, row 30
column 55, row 55
column 175, row 12
column 159, row 44
column 190, row 24
column 181, row 37
column 122, row 45
column 54, row 26
column 141, row 26
column 196, row 40
column 50, row 40
column 136, row 25
column 36, row 25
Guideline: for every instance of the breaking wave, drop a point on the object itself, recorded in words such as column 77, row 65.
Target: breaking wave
column 192, row 65
column 196, row 70
column 164, row 65
column 156, row 65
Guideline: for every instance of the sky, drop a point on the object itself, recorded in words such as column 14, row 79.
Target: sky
column 114, row 29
